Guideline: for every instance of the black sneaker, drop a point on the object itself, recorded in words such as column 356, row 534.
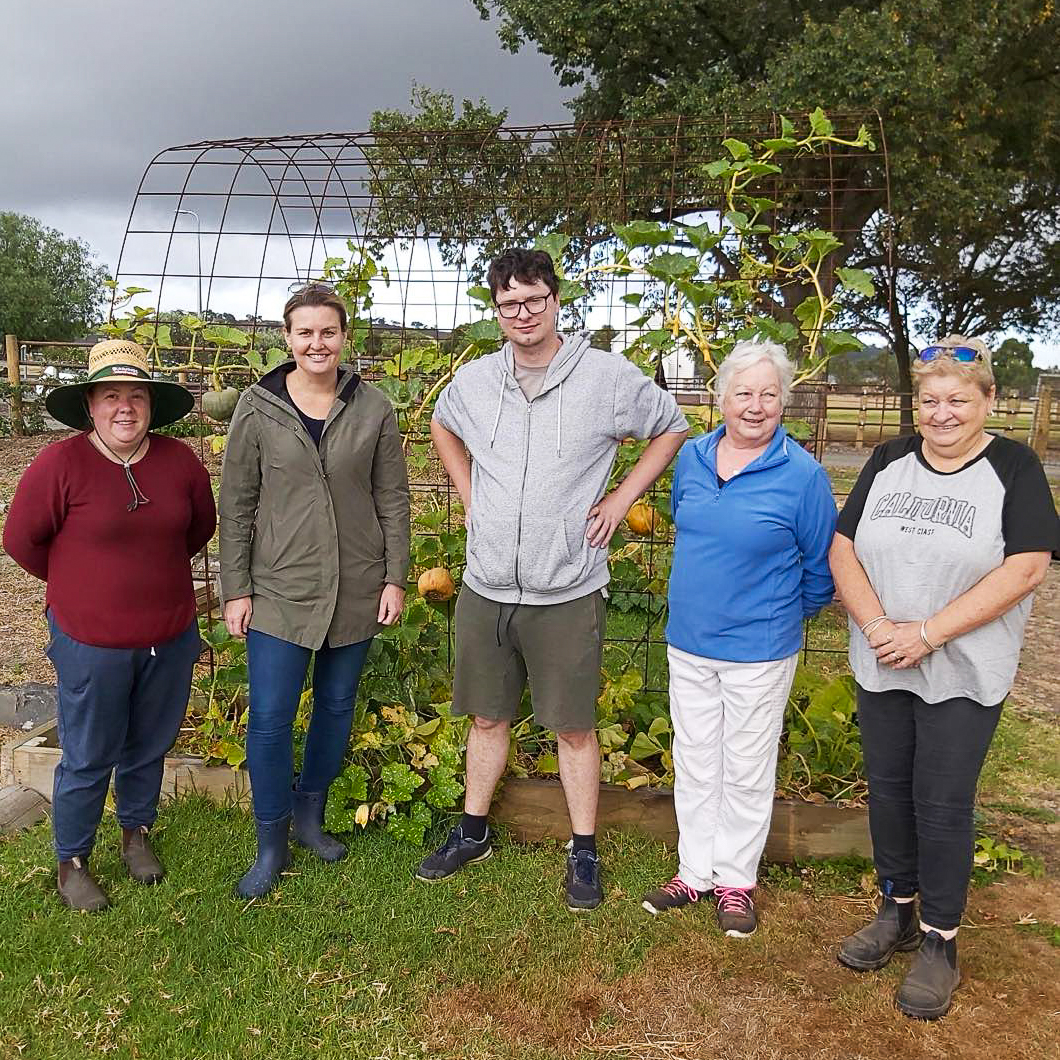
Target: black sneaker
column 583, row 881
column 926, row 992
column 672, row 895
column 894, row 929
column 452, row 856
column 736, row 911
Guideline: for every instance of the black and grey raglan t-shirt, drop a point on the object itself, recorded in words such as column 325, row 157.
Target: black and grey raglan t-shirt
column 926, row 536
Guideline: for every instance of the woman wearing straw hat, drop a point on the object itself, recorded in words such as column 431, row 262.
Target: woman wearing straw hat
column 109, row 519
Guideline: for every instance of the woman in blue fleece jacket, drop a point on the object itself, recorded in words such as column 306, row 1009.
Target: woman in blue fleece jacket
column 755, row 517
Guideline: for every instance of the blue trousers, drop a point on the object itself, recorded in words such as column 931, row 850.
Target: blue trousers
column 120, row 711
column 277, row 671
column 922, row 761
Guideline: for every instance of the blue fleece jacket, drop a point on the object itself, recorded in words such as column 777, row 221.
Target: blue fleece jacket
column 751, row 556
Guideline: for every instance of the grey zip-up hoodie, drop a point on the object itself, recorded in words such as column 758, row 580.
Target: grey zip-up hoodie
column 537, row 467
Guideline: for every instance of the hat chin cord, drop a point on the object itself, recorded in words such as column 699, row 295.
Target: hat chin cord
column 137, row 493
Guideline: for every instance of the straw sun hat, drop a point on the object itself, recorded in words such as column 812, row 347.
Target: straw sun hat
column 119, row 361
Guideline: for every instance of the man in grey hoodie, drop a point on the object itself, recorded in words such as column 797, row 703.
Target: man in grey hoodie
column 529, row 435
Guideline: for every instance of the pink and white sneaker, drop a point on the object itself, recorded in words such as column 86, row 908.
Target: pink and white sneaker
column 736, row 911
column 672, row 895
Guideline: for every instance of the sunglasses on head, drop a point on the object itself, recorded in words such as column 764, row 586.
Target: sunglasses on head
column 958, row 353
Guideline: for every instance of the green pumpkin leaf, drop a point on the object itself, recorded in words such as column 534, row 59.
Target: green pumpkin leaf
column 445, row 789
column 571, row 291
column 644, row 746
column 547, row 765
column 483, row 331
column 819, row 123
column 553, row 244
column 858, row 280
column 836, row 343
column 643, row 234
column 411, row 827
column 702, row 237
column 399, row 782
column 671, row 266
column 737, row 148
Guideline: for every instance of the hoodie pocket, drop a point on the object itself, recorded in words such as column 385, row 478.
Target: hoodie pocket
column 491, row 545
column 554, row 554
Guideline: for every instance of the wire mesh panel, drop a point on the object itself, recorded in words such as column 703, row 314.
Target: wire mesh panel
column 228, row 228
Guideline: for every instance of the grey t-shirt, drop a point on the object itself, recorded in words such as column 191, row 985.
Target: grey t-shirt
column 925, row 537
column 530, row 380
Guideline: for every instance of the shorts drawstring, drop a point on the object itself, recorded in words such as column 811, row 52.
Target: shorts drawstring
column 508, row 621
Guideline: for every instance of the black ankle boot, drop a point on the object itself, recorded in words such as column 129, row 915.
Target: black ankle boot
column 274, row 854
column 926, row 992
column 894, row 928
column 309, row 826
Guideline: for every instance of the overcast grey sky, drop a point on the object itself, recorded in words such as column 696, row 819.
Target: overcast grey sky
column 93, row 89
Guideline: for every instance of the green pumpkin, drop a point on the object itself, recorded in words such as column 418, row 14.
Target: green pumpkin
column 220, row 404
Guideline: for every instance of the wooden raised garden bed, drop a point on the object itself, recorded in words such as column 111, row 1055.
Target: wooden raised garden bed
column 533, row 809
column 33, row 762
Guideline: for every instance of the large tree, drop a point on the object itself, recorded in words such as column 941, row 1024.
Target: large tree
column 967, row 90
column 50, row 286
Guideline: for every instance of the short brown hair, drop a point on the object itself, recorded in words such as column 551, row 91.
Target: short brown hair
column 314, row 294
column 980, row 372
column 526, row 266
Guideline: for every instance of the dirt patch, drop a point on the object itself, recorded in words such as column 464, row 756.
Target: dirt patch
column 779, row 995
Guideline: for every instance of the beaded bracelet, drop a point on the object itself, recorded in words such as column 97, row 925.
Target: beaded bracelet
column 923, row 637
column 873, row 623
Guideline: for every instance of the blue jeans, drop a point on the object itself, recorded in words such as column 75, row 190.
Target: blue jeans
column 120, row 711
column 922, row 761
column 277, row 672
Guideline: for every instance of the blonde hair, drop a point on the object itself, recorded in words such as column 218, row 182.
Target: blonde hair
column 978, row 372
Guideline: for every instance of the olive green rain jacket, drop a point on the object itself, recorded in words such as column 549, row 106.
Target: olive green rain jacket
column 312, row 537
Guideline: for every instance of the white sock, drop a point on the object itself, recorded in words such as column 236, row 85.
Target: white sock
column 904, row 901
column 951, row 933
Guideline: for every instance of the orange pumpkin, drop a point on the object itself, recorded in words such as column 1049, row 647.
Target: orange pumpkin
column 436, row 584
column 642, row 519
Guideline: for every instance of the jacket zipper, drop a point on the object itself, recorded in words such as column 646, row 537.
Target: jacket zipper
column 522, row 495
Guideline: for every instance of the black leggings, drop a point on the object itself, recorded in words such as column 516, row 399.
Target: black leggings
column 923, row 761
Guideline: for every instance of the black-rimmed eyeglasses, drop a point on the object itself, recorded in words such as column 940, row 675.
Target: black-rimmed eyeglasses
column 534, row 306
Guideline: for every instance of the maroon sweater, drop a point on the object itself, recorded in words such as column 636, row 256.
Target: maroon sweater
column 116, row 579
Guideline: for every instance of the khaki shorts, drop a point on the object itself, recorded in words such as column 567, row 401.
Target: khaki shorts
column 559, row 647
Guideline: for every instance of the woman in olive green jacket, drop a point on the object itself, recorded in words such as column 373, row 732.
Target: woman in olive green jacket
column 314, row 528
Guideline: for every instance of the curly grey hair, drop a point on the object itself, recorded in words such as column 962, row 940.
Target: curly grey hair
column 748, row 353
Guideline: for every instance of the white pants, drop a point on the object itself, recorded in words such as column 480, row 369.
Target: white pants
column 727, row 720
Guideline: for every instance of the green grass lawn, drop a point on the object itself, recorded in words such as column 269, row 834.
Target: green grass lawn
column 339, row 960
column 358, row 960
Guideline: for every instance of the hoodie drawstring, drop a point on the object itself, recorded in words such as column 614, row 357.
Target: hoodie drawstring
column 500, row 405
column 559, row 423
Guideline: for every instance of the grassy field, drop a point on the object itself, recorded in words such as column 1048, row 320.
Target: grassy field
column 359, row 960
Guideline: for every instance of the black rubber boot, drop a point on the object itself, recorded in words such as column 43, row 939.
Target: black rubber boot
column 309, row 826
column 274, row 855
column 894, row 928
column 926, row 992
